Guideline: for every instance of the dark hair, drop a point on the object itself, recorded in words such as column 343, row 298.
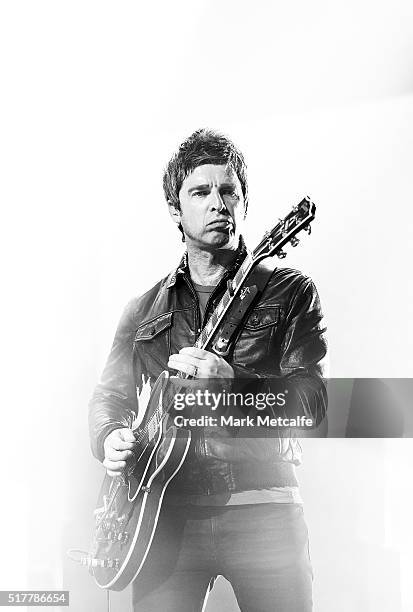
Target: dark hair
column 202, row 147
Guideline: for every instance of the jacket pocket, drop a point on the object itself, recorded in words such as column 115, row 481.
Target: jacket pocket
column 262, row 317
column 253, row 343
column 153, row 343
column 150, row 329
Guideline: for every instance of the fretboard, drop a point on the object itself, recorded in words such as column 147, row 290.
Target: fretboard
column 207, row 333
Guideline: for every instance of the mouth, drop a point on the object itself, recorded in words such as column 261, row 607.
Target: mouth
column 221, row 223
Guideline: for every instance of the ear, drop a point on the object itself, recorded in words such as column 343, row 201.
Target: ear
column 245, row 208
column 175, row 213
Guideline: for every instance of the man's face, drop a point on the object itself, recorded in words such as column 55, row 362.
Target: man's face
column 212, row 207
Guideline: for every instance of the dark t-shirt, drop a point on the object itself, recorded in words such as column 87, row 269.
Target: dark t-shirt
column 203, row 293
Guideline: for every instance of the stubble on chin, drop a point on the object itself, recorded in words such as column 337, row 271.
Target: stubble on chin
column 219, row 241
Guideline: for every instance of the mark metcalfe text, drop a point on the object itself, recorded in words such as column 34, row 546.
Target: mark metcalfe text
column 231, row 421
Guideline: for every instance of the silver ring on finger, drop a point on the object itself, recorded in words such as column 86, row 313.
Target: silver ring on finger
column 195, row 371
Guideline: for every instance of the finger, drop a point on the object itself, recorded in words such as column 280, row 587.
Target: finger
column 121, row 445
column 112, row 474
column 116, row 443
column 195, row 352
column 116, row 439
column 115, row 455
column 189, row 359
column 127, row 435
column 114, row 466
column 182, row 366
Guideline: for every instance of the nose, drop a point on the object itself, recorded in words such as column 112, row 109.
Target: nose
column 217, row 202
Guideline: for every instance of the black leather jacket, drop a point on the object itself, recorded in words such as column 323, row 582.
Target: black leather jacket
column 283, row 336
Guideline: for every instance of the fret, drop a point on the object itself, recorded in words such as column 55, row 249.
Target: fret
column 220, row 308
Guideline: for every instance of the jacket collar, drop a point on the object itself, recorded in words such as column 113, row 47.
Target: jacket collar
column 183, row 267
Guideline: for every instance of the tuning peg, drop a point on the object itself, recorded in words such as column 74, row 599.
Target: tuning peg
column 294, row 241
column 307, row 229
column 281, row 254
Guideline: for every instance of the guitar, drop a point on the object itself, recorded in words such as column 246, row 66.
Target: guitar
column 129, row 505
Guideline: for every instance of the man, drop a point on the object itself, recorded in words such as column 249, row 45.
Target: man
column 234, row 508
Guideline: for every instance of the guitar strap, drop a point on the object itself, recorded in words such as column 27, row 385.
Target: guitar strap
column 254, row 287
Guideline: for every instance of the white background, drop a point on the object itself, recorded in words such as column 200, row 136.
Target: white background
column 95, row 98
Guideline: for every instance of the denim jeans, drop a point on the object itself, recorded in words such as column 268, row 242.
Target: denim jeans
column 262, row 549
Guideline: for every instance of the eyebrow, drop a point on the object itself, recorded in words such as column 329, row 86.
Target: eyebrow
column 207, row 186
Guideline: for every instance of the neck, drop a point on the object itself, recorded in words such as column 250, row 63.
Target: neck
column 208, row 267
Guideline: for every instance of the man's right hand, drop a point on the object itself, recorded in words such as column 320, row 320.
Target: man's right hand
column 118, row 447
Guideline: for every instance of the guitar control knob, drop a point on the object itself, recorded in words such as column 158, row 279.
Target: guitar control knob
column 307, row 229
column 294, row 241
column 281, row 254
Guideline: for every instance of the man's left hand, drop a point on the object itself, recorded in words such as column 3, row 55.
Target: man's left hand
column 200, row 364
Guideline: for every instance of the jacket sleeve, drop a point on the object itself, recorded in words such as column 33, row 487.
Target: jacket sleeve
column 302, row 355
column 114, row 402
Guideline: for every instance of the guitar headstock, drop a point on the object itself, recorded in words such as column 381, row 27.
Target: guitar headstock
column 298, row 219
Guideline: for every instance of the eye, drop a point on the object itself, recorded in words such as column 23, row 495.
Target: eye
column 231, row 193
column 201, row 193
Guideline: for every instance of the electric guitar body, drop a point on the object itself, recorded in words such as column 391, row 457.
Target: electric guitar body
column 128, row 506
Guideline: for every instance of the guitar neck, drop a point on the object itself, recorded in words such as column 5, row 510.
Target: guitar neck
column 232, row 291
